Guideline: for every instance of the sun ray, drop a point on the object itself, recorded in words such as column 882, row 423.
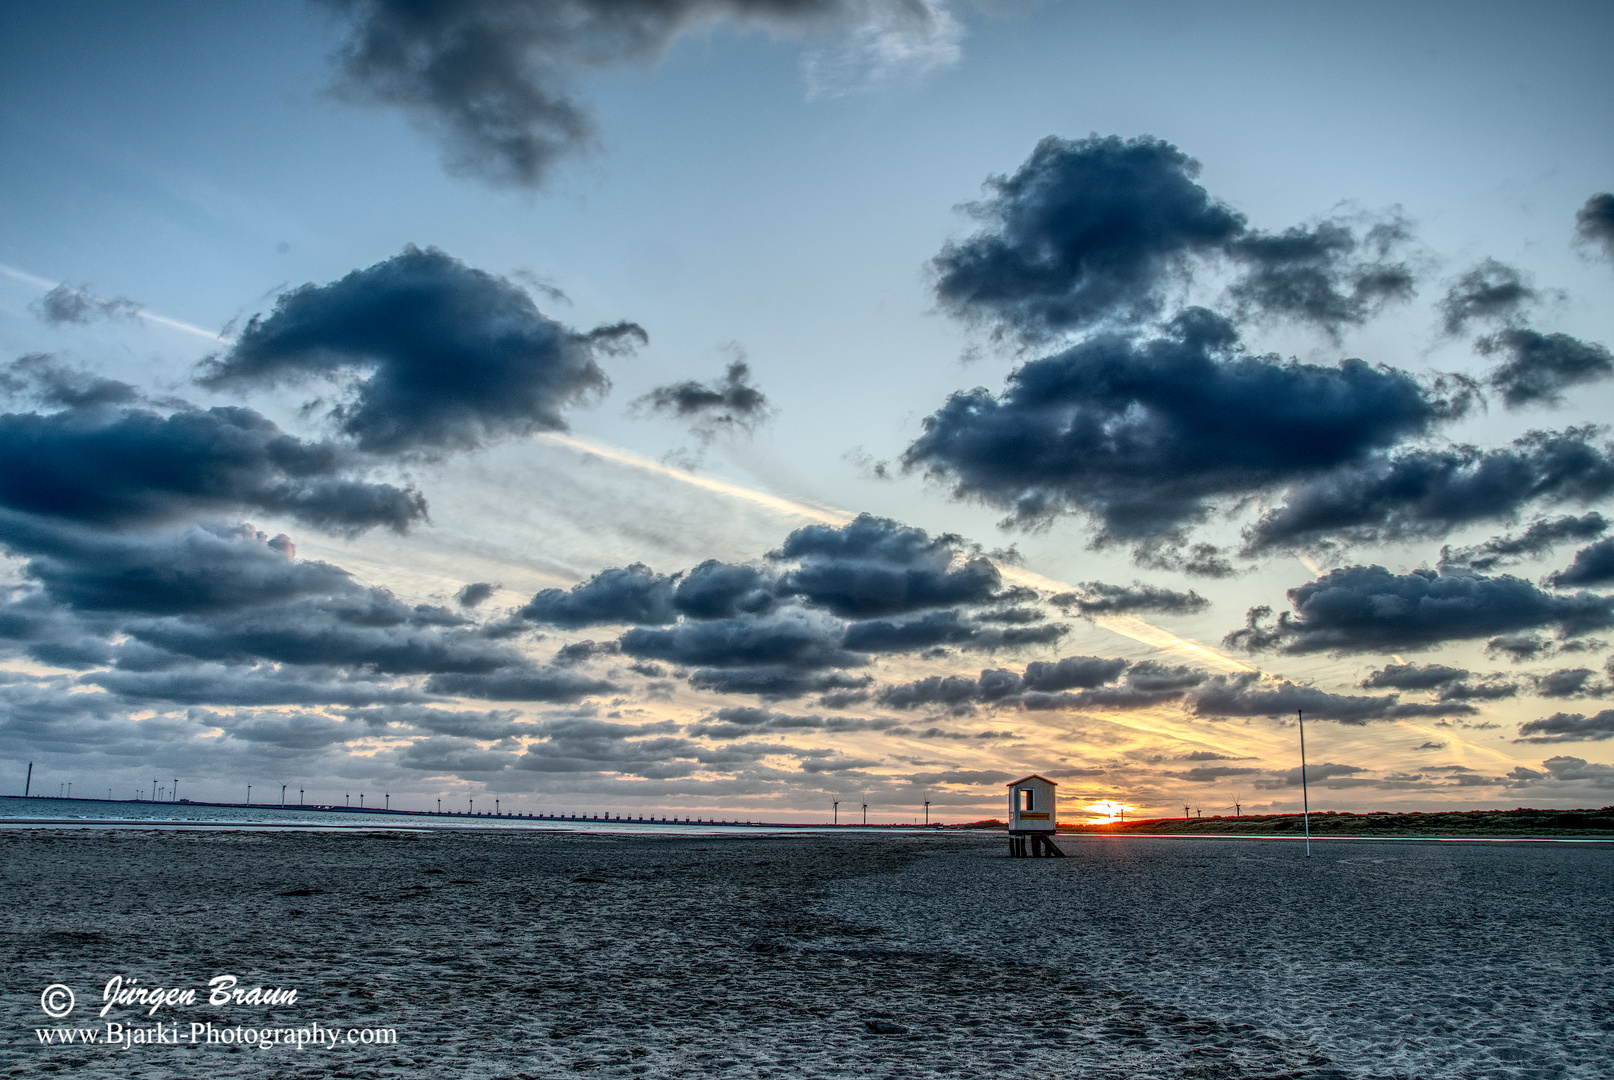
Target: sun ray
column 1129, row 626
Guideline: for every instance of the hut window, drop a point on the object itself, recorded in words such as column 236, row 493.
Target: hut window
column 1025, row 800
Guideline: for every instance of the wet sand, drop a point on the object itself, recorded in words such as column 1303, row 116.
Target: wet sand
column 538, row 955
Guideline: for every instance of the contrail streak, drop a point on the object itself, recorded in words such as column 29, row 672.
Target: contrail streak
column 142, row 313
column 1125, row 625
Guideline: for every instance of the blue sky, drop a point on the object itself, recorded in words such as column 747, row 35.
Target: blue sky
column 776, row 189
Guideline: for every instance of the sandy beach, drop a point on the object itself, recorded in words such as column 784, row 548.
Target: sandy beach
column 521, row 954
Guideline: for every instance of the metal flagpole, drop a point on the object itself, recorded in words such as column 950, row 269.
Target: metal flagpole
column 1305, row 800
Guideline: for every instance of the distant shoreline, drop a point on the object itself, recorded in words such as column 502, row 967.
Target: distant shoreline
column 410, row 818
column 1518, row 824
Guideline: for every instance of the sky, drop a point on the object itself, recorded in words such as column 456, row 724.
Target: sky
column 734, row 407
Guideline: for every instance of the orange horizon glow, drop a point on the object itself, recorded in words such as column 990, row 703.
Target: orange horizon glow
column 1109, row 810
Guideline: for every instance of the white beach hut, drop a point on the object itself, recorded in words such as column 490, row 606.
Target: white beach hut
column 1033, row 815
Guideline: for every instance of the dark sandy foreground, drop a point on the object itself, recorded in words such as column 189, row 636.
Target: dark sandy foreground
column 545, row 955
column 1446, row 961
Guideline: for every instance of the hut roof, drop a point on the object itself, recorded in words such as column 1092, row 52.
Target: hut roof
column 1034, row 776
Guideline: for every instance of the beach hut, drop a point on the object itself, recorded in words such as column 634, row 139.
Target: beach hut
column 1033, row 818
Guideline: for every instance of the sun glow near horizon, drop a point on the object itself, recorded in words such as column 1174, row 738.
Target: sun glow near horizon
column 1108, row 810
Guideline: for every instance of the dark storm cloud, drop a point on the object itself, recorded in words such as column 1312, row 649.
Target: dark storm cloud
column 629, row 594
column 1491, row 291
column 1537, row 367
column 1540, row 537
column 488, row 725
column 520, row 682
column 1367, row 608
column 207, row 612
column 1074, row 673
column 637, row 594
column 201, row 570
column 1413, row 677
column 1085, row 232
column 780, row 682
column 1249, row 695
column 41, row 378
column 290, row 731
column 1534, row 368
column 1143, row 434
column 730, row 404
column 875, row 566
column 1098, row 598
column 868, row 567
column 878, row 567
column 1594, row 222
column 66, row 304
column 36, row 626
column 436, row 355
column 370, row 630
column 951, row 690
column 747, row 721
column 37, row 714
column 944, row 628
column 793, row 639
column 1491, row 687
column 1171, row 553
column 1566, row 769
column 1592, row 565
column 576, row 744
column 449, row 755
column 781, row 628
column 1521, row 646
column 1098, row 230
column 475, row 593
column 224, row 685
column 579, row 652
column 1326, row 274
column 718, row 590
column 1012, row 616
column 1416, row 493
column 131, row 466
column 1568, row 683
column 1324, row 773
column 1568, row 727
column 1447, row 683
column 1045, row 685
column 1089, row 235
column 493, row 80
column 1210, row 774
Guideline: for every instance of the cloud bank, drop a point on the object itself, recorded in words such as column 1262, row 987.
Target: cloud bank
column 433, row 355
column 494, row 81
